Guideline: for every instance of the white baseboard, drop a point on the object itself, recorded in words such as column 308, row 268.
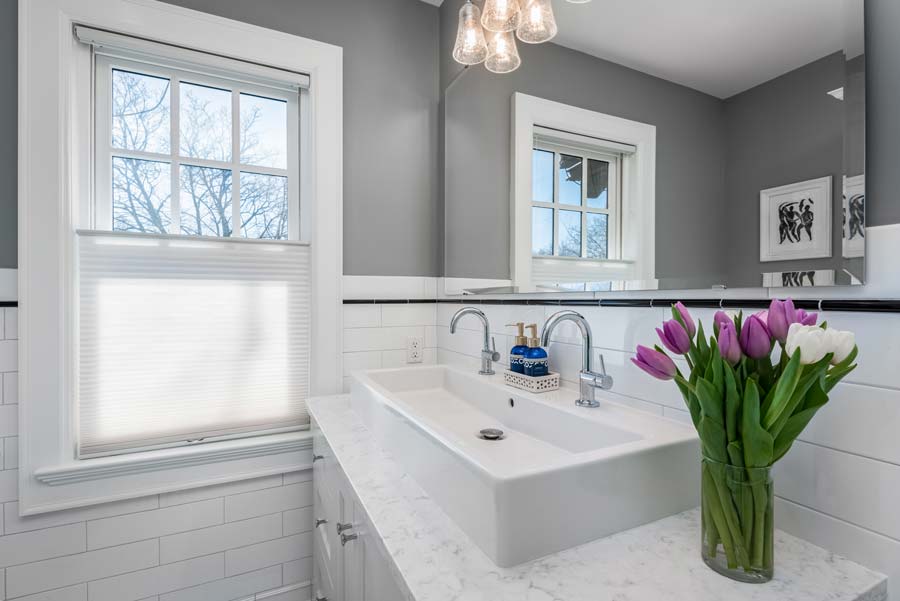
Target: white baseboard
column 9, row 285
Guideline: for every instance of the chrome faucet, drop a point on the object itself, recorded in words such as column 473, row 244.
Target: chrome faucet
column 489, row 352
column 589, row 381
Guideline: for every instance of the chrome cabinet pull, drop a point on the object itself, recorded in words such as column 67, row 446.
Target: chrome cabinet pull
column 321, row 598
column 346, row 538
column 320, row 522
column 341, row 527
column 316, row 458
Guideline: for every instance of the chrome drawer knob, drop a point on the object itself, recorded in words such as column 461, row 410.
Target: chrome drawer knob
column 316, row 458
column 346, row 538
column 320, row 522
column 341, row 527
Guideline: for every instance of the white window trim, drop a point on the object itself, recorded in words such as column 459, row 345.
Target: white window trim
column 638, row 181
column 54, row 168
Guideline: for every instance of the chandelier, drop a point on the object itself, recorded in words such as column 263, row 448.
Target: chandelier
column 489, row 35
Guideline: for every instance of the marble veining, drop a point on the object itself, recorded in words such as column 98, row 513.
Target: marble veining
column 656, row 562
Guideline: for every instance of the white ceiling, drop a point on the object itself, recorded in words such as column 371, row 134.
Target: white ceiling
column 720, row 47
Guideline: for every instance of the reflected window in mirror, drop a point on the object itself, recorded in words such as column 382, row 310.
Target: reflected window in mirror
column 575, row 202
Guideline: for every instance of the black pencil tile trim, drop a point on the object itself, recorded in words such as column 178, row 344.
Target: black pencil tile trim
column 9, row 303
column 861, row 306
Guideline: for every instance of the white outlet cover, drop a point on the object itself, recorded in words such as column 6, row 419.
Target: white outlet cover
column 415, row 349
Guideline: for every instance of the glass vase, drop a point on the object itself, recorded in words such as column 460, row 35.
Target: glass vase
column 737, row 525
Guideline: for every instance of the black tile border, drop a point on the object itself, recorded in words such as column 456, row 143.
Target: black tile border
column 848, row 305
column 9, row 303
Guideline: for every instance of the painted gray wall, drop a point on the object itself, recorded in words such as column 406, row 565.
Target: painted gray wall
column 783, row 131
column 690, row 155
column 8, row 136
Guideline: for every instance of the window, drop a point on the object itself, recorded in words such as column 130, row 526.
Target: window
column 575, row 203
column 185, row 152
column 583, row 198
column 169, row 348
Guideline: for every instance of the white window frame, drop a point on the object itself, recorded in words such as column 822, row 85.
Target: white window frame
column 613, row 205
column 55, row 167
column 636, row 234
column 104, row 151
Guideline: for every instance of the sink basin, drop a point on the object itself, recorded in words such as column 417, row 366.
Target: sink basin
column 559, row 476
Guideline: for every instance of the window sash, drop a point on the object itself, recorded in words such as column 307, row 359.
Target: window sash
column 104, row 151
column 613, row 204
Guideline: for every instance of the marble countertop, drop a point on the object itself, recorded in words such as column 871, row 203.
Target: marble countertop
column 655, row 562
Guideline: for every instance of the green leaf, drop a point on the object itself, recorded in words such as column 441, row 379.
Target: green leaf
column 690, row 399
column 710, row 401
column 758, row 443
column 702, row 344
column 712, row 435
column 784, row 390
column 732, row 404
column 811, row 374
column 736, row 453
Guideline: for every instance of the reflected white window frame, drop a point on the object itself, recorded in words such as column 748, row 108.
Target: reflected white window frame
column 102, row 210
column 534, row 117
column 613, row 202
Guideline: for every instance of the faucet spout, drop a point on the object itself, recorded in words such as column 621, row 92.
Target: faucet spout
column 489, row 352
column 589, row 380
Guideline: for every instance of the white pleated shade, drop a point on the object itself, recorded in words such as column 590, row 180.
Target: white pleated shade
column 183, row 340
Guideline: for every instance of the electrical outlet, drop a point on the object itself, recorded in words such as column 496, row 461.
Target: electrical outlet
column 415, row 349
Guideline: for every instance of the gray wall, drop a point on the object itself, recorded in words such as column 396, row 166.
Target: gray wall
column 783, row 131
column 8, row 120
column 690, row 153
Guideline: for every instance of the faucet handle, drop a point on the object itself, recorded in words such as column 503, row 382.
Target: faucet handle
column 495, row 356
column 606, row 380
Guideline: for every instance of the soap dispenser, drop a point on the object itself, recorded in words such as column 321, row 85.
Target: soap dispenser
column 537, row 363
column 517, row 352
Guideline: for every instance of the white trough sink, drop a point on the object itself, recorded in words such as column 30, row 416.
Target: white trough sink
column 561, row 475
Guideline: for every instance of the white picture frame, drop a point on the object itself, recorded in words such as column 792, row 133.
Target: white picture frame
column 795, row 221
column 853, row 237
column 799, row 279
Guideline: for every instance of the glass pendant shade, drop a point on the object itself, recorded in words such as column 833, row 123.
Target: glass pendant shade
column 537, row 23
column 501, row 15
column 470, row 48
column 503, row 56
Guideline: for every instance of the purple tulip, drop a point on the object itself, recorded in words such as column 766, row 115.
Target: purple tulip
column 780, row 317
column 756, row 341
column 721, row 317
column 729, row 347
column 674, row 337
column 806, row 319
column 687, row 319
column 655, row 363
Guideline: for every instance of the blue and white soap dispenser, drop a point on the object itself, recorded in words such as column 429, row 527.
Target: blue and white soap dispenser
column 537, row 363
column 517, row 352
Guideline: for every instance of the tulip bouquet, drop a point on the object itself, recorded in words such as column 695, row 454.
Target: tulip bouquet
column 748, row 406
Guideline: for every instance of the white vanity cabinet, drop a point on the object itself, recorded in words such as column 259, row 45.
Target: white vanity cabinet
column 350, row 564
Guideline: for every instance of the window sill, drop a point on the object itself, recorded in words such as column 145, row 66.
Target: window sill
column 151, row 461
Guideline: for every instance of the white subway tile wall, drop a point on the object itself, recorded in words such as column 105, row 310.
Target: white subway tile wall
column 837, row 488
column 231, row 541
column 377, row 335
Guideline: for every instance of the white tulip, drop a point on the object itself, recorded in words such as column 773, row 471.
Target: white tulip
column 812, row 341
column 840, row 343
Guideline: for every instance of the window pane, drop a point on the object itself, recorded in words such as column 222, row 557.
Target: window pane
column 597, row 231
column 263, row 131
column 140, row 112
column 570, row 179
column 205, row 201
column 141, row 192
column 541, row 231
column 569, row 234
column 205, row 122
column 597, row 184
column 542, row 175
column 264, row 206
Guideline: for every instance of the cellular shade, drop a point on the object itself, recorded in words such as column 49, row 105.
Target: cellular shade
column 189, row 340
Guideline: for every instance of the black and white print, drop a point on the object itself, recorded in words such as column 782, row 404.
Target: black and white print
column 854, row 217
column 795, row 221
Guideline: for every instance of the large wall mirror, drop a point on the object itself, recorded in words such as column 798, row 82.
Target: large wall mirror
column 663, row 145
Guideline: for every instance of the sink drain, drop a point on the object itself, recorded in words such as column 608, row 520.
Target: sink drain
column 491, row 434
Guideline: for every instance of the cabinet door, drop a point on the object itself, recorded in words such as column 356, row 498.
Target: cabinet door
column 333, row 506
column 368, row 576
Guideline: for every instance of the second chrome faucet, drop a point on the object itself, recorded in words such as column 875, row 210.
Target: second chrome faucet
column 489, row 352
column 589, row 381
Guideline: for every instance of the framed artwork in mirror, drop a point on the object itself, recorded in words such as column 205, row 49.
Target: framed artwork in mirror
column 854, row 220
column 795, row 221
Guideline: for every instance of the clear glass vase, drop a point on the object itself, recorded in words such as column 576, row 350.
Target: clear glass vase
column 737, row 520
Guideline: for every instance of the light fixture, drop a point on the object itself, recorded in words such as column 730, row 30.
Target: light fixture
column 537, row 24
column 503, row 56
column 489, row 35
column 500, row 15
column 470, row 47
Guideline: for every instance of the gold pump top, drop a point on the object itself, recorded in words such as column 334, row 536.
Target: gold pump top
column 521, row 340
column 533, row 340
